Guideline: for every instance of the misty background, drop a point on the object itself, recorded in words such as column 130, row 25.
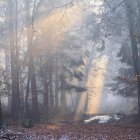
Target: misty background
column 61, row 57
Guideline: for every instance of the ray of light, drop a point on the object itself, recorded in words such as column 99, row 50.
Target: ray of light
column 53, row 28
column 96, row 81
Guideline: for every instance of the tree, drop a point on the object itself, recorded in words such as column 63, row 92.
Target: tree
column 31, row 65
column 128, row 83
column 14, row 52
column 135, row 55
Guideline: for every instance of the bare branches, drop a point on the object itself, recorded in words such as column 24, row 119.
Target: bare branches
column 113, row 9
column 65, row 5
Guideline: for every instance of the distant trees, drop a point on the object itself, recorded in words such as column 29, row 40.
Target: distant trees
column 49, row 64
column 42, row 73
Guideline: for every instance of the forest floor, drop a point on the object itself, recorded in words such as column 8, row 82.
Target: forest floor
column 122, row 130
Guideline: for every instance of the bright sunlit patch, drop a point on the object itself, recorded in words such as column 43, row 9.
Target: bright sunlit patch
column 96, row 6
column 95, row 82
column 96, row 2
column 53, row 28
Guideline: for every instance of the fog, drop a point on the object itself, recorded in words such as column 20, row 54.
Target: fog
column 68, row 57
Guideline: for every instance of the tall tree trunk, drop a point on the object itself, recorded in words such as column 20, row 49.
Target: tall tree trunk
column 56, row 88
column 45, row 100
column 63, row 102
column 138, row 5
column 17, row 57
column 51, row 88
column 31, row 68
column 138, row 20
column 35, row 109
column 14, row 64
column 56, row 95
column 131, row 20
column 63, row 96
column 1, row 116
column 56, row 92
column 26, row 109
column 44, row 75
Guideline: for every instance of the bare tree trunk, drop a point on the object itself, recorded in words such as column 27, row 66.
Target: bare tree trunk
column 138, row 5
column 63, row 101
column 56, row 95
column 56, row 92
column 51, row 88
column 63, row 97
column 30, row 33
column 44, row 75
column 35, row 109
column 1, row 116
column 27, row 95
column 138, row 20
column 45, row 100
column 17, row 57
column 14, row 62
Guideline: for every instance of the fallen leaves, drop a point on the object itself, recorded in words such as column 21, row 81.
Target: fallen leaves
column 120, row 131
